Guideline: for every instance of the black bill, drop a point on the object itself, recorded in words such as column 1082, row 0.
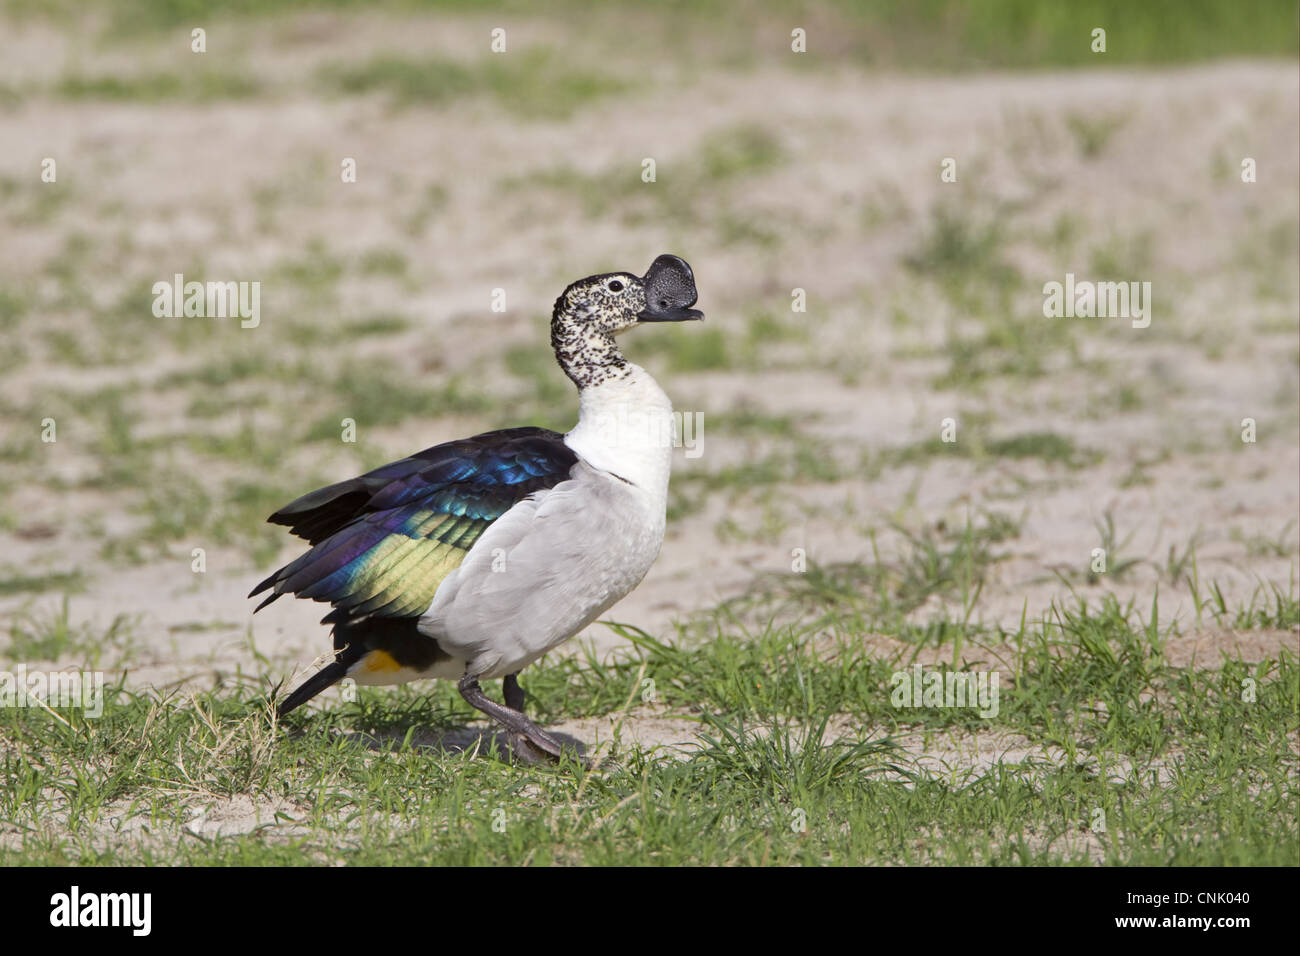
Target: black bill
column 669, row 292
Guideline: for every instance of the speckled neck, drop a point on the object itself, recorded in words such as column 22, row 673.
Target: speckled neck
column 589, row 356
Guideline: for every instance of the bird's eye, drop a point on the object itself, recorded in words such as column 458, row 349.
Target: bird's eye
column 614, row 286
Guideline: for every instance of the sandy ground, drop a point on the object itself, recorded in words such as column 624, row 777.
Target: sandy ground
column 854, row 196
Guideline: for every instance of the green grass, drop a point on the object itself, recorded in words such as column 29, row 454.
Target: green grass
column 1279, row 545
column 176, row 512
column 935, row 566
column 384, row 261
column 699, row 188
column 744, row 421
column 993, row 332
column 948, row 34
column 793, row 753
column 13, row 308
column 922, row 35
column 972, row 443
column 1266, row 254
column 379, row 324
column 1269, row 607
column 962, row 247
column 532, row 84
column 1118, row 562
column 217, row 500
column 802, row 460
column 1123, row 257
column 315, row 273
column 378, row 394
column 195, row 86
column 50, row 634
column 1092, row 133
column 699, row 350
column 13, row 581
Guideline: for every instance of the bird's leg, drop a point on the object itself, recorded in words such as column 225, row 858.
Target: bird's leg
column 529, row 742
column 513, row 693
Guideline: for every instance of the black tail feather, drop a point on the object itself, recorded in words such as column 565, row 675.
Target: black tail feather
column 272, row 598
column 327, row 676
column 398, row 637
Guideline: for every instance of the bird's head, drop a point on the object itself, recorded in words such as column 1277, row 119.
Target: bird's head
column 617, row 301
column 595, row 309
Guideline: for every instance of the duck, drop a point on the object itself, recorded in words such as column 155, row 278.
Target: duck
column 470, row 560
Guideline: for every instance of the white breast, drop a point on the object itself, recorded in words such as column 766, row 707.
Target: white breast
column 625, row 427
column 557, row 561
column 545, row 570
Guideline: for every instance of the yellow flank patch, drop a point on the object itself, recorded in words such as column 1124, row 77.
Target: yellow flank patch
column 381, row 661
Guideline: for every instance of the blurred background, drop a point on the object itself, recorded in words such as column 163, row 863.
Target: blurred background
column 775, row 171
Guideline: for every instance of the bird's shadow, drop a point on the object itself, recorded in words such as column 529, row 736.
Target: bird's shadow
column 452, row 740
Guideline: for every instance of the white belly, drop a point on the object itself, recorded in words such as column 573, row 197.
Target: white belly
column 545, row 570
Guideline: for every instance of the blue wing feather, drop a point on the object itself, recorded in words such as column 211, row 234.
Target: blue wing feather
column 383, row 542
